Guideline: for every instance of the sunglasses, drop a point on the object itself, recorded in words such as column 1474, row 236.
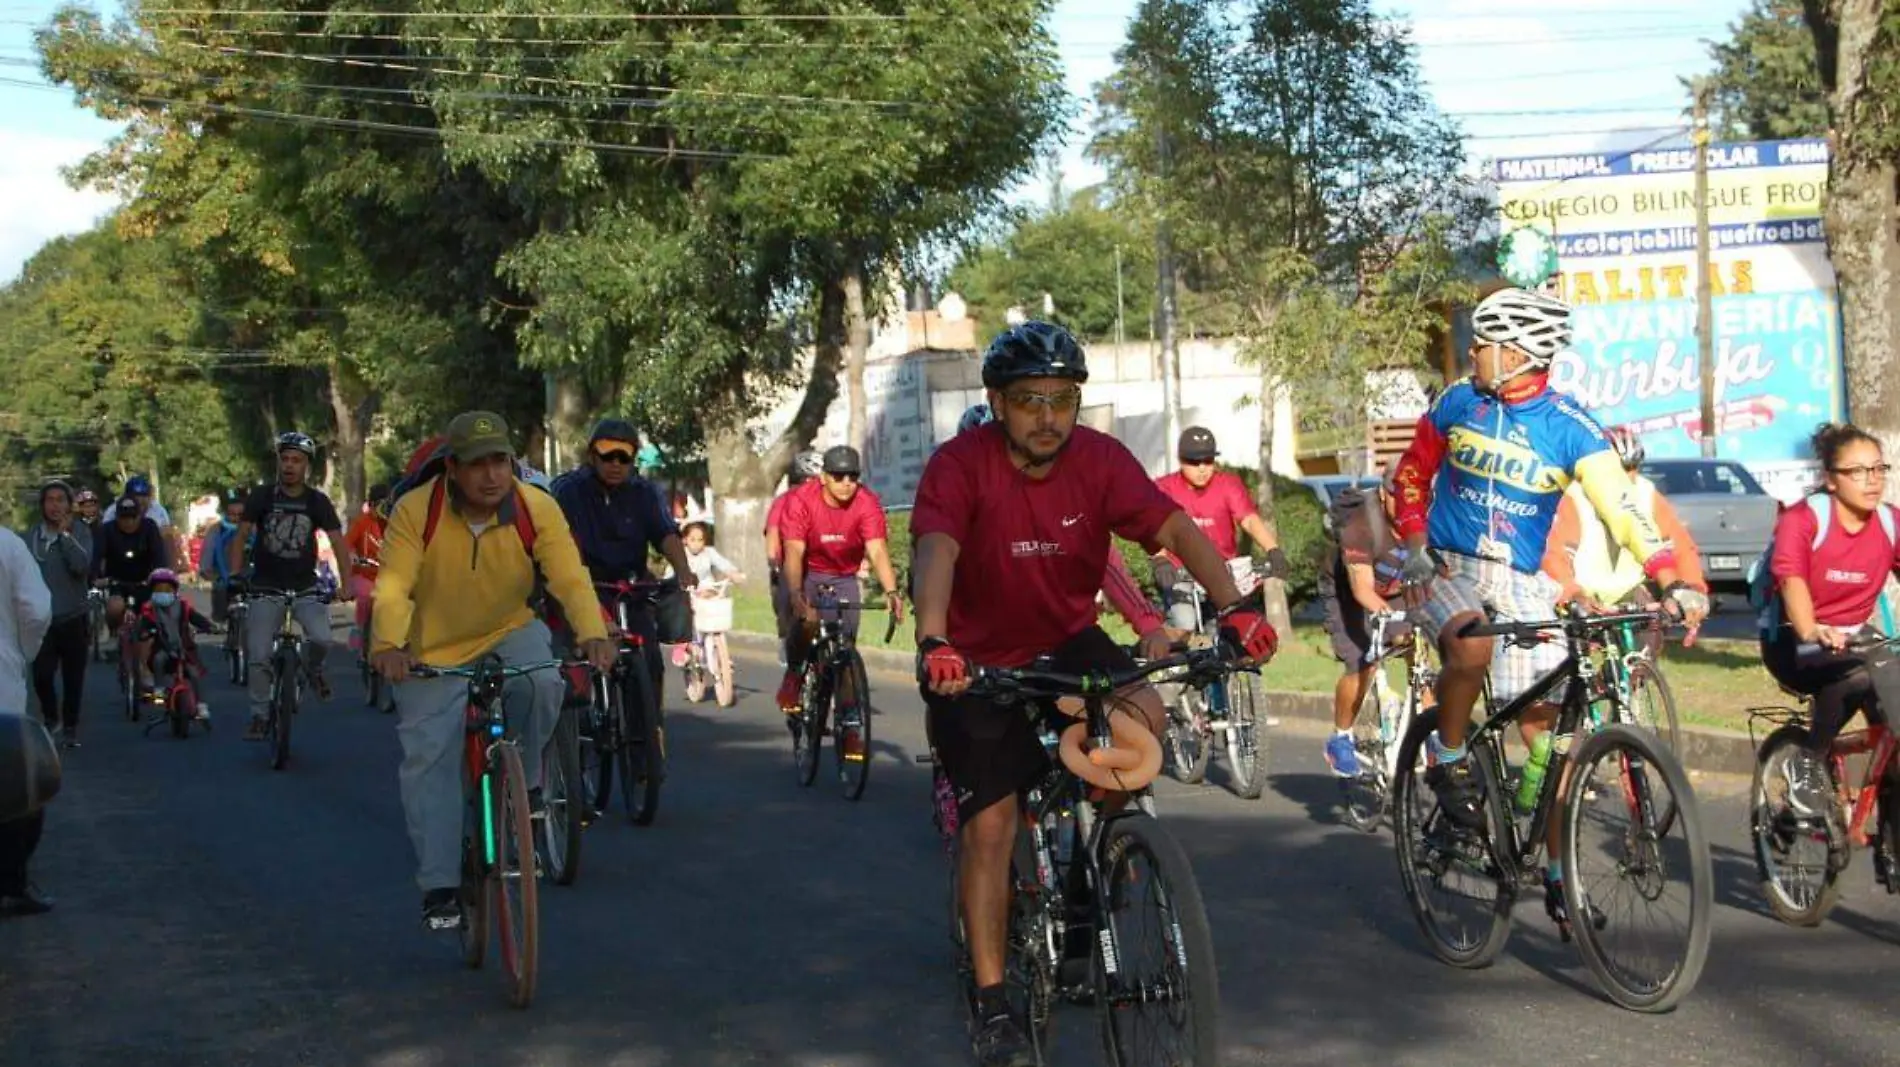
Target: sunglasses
column 616, row 456
column 846, row 476
column 1028, row 400
column 1185, row 462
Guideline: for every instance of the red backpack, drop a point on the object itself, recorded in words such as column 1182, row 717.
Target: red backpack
column 438, row 499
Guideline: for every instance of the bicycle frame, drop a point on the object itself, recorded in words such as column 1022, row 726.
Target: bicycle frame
column 1418, row 685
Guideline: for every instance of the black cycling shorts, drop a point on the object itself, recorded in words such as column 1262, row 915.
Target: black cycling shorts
column 990, row 751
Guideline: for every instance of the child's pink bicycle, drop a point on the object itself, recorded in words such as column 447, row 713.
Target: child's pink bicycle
column 707, row 660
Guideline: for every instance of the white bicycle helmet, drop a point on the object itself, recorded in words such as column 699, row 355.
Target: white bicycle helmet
column 806, row 466
column 975, row 415
column 1537, row 325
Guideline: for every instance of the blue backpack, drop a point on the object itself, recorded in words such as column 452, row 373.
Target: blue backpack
column 1763, row 595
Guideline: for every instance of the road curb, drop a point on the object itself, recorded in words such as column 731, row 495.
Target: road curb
column 1705, row 749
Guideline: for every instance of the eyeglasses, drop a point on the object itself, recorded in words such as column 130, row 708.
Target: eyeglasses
column 842, row 476
column 616, row 456
column 1865, row 475
column 1027, row 400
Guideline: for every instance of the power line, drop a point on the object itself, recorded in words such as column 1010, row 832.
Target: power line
column 441, row 39
column 546, row 16
column 1673, row 131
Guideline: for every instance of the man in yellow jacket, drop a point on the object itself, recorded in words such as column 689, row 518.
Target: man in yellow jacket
column 457, row 578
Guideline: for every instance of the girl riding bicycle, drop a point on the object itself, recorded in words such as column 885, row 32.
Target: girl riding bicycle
column 708, row 565
column 1832, row 555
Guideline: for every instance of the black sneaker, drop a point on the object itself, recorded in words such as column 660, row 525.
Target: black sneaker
column 1459, row 793
column 999, row 1042
column 442, row 909
column 537, row 806
column 1559, row 914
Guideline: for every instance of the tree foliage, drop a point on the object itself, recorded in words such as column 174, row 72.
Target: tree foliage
column 1766, row 84
column 1068, row 252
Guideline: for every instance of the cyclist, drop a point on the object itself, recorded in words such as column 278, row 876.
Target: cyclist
column 1829, row 593
column 1012, row 528
column 365, row 538
column 87, row 505
column 165, row 628
column 1218, row 502
column 1586, row 563
column 457, row 575
column 126, row 550
column 617, row 518
column 1119, row 587
column 828, row 533
column 1356, row 579
column 1477, row 491
column 139, row 487
column 216, row 555
column 285, row 517
column 805, row 467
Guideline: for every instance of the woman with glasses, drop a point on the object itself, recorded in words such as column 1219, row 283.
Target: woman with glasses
column 1830, row 559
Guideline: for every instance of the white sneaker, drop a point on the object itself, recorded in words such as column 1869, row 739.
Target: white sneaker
column 204, row 713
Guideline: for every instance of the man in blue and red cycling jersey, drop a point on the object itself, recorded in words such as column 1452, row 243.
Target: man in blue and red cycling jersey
column 1477, row 492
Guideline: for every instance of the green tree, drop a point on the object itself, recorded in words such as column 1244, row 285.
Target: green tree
column 1069, row 252
column 1766, row 84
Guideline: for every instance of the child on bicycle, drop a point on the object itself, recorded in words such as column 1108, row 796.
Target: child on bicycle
column 164, row 633
column 707, row 564
column 1360, row 571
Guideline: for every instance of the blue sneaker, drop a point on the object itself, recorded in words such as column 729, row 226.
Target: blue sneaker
column 1342, row 756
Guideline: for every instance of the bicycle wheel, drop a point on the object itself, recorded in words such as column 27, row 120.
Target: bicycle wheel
column 1187, row 741
column 128, row 690
column 1364, row 795
column 478, row 885
column 1157, row 994
column 1652, row 706
column 1459, row 894
column 562, row 795
column 600, row 741
column 1615, row 799
column 283, row 708
column 180, row 710
column 851, row 714
column 1799, row 854
column 517, row 911
column 1247, row 756
column 808, row 727
column 719, row 662
column 641, row 752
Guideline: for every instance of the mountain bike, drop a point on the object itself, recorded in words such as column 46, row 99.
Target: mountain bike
column 624, row 726
column 1805, row 831
column 1462, row 884
column 499, row 868
column 834, row 688
column 709, row 661
column 288, row 675
column 1230, row 709
column 1386, row 717
column 1077, row 871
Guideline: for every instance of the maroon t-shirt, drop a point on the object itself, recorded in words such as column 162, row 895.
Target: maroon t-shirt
column 1031, row 551
column 834, row 537
column 1845, row 574
column 1217, row 508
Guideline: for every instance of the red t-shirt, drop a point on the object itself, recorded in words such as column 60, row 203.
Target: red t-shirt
column 775, row 519
column 1032, row 552
column 834, row 537
column 1217, row 509
column 1845, row 574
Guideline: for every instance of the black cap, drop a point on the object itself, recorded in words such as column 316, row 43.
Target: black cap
column 843, row 459
column 1197, row 443
column 128, row 506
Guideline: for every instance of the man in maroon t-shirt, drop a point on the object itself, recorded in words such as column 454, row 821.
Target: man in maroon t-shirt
column 805, row 467
column 1012, row 525
column 1218, row 502
column 829, row 529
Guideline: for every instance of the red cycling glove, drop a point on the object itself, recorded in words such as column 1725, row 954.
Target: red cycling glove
column 1251, row 633
column 939, row 663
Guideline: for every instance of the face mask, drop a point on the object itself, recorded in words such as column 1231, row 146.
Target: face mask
column 164, row 600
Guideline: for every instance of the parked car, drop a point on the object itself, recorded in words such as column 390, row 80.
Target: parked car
column 1725, row 509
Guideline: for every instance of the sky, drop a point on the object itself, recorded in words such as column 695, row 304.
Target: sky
column 1522, row 79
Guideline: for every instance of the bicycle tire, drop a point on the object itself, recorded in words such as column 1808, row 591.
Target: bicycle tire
column 600, row 745
column 1770, row 828
column 721, row 663
column 180, row 710
column 283, row 708
column 696, row 685
column 808, row 727
column 642, row 751
column 477, row 891
column 517, row 897
column 1363, row 796
column 1636, row 743
column 129, row 691
column 1659, row 719
column 1192, row 943
column 1188, row 749
column 1248, row 754
column 1411, row 796
column 853, row 774
column 561, row 792
column 240, row 665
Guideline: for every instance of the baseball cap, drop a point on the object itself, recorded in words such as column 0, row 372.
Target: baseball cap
column 127, row 506
column 1197, row 443
column 477, row 435
column 617, row 432
column 138, row 485
column 843, row 459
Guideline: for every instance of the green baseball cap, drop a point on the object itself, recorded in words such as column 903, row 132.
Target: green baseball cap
column 477, row 435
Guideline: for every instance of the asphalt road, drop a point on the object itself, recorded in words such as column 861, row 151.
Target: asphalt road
column 214, row 912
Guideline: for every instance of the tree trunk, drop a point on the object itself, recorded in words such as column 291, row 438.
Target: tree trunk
column 351, row 406
column 742, row 479
column 857, row 347
column 572, row 419
column 1861, row 219
column 1274, row 590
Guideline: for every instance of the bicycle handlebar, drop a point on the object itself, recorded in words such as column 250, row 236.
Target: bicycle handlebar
column 490, row 670
column 644, row 588
column 1036, row 682
column 258, row 592
column 1575, row 624
column 1856, row 643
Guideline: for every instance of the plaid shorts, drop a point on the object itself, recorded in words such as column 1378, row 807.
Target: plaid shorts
column 1474, row 585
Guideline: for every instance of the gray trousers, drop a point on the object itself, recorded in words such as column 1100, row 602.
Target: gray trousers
column 260, row 629
column 431, row 726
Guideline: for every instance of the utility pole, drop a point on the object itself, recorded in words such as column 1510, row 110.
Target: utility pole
column 1164, row 304
column 1120, row 336
column 1704, row 290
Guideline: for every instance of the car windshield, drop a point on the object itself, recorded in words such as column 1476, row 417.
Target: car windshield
column 1719, row 479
